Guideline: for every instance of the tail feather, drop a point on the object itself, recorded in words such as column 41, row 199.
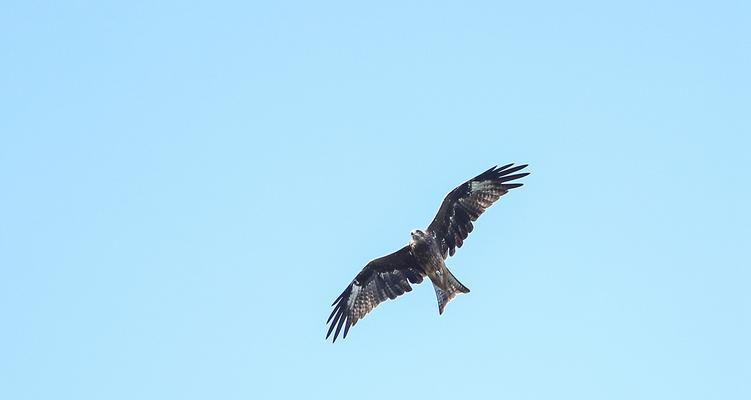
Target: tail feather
column 453, row 288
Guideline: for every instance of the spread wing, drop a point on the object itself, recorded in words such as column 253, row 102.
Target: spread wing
column 382, row 279
column 467, row 202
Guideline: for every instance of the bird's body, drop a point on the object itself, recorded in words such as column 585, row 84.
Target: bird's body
column 427, row 253
column 390, row 276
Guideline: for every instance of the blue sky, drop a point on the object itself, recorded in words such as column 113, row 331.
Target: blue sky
column 187, row 188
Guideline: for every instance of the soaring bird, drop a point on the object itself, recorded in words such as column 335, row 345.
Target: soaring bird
column 390, row 276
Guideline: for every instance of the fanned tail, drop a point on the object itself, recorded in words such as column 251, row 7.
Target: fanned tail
column 453, row 288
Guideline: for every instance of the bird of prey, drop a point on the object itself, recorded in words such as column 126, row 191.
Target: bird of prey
column 390, row 276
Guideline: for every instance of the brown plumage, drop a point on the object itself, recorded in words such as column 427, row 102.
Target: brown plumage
column 390, row 276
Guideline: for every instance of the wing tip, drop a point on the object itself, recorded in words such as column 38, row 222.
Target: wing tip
column 504, row 167
column 497, row 172
column 340, row 321
column 509, row 178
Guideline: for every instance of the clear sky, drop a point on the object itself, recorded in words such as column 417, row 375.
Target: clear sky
column 187, row 187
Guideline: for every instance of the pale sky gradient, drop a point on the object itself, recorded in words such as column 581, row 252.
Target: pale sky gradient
column 187, row 188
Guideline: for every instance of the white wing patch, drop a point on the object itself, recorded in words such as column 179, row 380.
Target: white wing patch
column 353, row 296
column 475, row 186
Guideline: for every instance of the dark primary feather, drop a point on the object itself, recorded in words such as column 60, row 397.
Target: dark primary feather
column 381, row 279
column 467, row 202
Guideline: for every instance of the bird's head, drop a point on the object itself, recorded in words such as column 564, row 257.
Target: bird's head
column 417, row 234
